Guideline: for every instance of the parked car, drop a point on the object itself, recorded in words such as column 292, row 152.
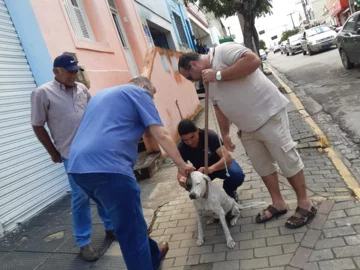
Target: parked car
column 262, row 54
column 317, row 39
column 293, row 45
column 282, row 47
column 276, row 49
column 348, row 41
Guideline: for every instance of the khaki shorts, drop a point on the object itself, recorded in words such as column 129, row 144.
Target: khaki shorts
column 272, row 145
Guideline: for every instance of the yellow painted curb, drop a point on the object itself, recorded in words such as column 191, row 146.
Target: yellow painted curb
column 292, row 96
column 348, row 178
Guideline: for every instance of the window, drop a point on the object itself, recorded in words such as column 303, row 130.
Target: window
column 165, row 62
column 350, row 25
column 114, row 14
column 180, row 28
column 78, row 19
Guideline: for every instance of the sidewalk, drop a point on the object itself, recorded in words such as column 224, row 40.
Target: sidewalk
column 329, row 242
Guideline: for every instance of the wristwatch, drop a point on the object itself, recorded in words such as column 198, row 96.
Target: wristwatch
column 218, row 75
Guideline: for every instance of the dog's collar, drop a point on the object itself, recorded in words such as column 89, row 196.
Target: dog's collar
column 206, row 194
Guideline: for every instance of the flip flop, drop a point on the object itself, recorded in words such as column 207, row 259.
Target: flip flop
column 306, row 217
column 262, row 218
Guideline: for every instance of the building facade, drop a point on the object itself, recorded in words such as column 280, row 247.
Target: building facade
column 112, row 43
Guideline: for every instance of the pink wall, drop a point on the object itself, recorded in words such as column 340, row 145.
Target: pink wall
column 175, row 97
column 104, row 58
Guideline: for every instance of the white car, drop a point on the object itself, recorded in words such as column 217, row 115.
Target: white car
column 262, row 54
column 293, row 45
column 317, row 39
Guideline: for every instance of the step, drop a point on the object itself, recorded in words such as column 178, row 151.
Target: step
column 147, row 164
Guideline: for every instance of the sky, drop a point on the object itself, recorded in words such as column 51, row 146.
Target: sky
column 274, row 24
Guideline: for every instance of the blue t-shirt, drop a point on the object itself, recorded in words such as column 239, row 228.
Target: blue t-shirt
column 112, row 125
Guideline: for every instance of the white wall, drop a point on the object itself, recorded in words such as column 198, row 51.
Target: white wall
column 318, row 9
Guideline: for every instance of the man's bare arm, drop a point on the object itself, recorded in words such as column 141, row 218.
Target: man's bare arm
column 44, row 138
column 224, row 123
column 242, row 68
column 163, row 138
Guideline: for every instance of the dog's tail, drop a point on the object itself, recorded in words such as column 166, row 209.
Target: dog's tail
column 249, row 205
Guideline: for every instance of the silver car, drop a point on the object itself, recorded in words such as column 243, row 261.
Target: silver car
column 317, row 39
column 293, row 44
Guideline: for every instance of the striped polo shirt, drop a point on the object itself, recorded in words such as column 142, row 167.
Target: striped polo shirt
column 61, row 110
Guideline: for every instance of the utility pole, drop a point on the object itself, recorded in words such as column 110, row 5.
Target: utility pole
column 304, row 3
column 292, row 18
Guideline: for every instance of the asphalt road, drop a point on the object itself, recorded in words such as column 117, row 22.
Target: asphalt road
column 327, row 84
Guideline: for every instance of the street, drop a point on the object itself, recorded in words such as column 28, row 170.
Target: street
column 330, row 94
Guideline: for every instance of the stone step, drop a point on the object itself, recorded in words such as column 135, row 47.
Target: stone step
column 147, row 164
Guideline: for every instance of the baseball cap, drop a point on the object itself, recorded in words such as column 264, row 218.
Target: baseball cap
column 67, row 62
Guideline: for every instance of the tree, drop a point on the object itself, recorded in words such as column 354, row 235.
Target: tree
column 262, row 45
column 247, row 11
column 286, row 34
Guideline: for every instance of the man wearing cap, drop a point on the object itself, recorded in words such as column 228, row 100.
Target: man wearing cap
column 61, row 104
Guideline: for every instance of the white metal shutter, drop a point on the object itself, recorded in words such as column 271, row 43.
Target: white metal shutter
column 29, row 180
column 78, row 19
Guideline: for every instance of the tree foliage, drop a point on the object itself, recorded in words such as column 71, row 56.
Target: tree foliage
column 286, row 34
column 248, row 9
column 262, row 45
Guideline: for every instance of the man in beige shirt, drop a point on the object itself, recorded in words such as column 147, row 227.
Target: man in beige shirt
column 243, row 95
column 61, row 104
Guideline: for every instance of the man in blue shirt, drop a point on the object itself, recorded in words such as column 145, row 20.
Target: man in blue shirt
column 102, row 157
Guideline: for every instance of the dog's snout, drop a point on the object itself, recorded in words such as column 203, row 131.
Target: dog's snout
column 192, row 196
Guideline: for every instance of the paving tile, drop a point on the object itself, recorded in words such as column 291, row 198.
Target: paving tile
column 326, row 207
column 320, row 255
column 201, row 250
column 278, row 240
column 312, row 266
column 254, row 264
column 310, row 238
column 352, row 240
column 330, row 243
column 344, row 205
column 177, row 252
column 240, row 254
column 349, row 251
column 268, row 251
column 280, row 260
column 65, row 261
column 213, row 257
column 187, row 260
column 23, row 260
column 353, row 211
column 338, row 264
column 339, row 231
column 301, row 257
column 266, row 233
column 337, row 214
column 182, row 236
column 223, row 247
column 318, row 221
column 249, row 244
column 290, row 248
column 228, row 265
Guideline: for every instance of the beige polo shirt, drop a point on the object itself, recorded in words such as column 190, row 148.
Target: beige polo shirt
column 247, row 102
column 61, row 109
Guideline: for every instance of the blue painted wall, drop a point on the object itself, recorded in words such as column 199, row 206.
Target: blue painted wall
column 177, row 8
column 31, row 38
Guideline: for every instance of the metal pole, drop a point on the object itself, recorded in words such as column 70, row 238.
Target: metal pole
column 292, row 18
column 206, row 141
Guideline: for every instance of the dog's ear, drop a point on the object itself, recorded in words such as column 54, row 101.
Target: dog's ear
column 206, row 178
column 188, row 183
column 189, row 163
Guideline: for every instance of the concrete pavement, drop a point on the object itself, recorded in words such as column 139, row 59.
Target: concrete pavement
column 331, row 241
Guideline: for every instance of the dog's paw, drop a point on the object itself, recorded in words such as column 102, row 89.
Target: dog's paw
column 230, row 243
column 233, row 222
column 210, row 221
column 200, row 242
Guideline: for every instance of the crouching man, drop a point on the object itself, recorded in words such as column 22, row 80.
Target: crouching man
column 192, row 147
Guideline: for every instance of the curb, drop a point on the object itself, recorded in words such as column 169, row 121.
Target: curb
column 323, row 142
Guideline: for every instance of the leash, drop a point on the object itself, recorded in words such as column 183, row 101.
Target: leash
column 206, row 163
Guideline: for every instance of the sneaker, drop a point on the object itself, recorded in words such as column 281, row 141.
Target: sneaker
column 110, row 234
column 89, row 253
column 235, row 196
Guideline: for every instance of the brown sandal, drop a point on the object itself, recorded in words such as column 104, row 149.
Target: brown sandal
column 306, row 217
column 262, row 218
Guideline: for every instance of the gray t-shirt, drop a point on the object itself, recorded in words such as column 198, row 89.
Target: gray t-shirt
column 247, row 102
column 61, row 109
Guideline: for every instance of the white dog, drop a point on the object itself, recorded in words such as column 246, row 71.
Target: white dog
column 213, row 200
